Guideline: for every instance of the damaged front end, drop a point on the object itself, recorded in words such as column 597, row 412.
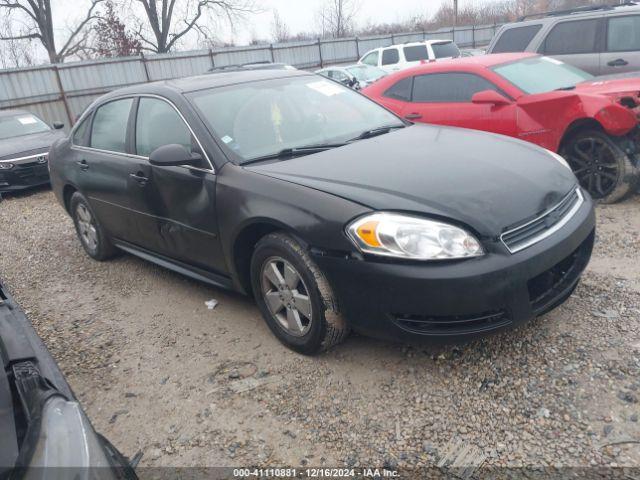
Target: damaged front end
column 44, row 433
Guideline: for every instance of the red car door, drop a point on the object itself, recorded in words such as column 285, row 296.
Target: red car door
column 446, row 99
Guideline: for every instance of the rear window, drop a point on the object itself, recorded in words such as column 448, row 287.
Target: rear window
column 623, row 34
column 416, row 53
column 400, row 90
column 568, row 38
column 445, row 50
column 516, row 39
column 390, row 56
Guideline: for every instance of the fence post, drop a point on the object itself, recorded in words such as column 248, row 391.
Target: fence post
column 424, row 35
column 144, row 65
column 63, row 96
column 320, row 53
column 358, row 48
column 213, row 63
column 273, row 59
column 473, row 36
column 393, row 39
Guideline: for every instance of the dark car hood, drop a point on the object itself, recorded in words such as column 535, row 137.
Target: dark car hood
column 487, row 181
column 25, row 145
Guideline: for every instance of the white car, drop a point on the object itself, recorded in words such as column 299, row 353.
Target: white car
column 399, row 57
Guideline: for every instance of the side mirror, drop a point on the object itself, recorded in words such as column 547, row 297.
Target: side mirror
column 58, row 125
column 174, row 155
column 489, row 97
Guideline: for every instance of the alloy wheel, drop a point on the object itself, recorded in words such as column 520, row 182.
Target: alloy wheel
column 594, row 163
column 286, row 296
column 87, row 227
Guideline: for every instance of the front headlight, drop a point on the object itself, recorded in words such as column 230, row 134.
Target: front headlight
column 560, row 159
column 6, row 166
column 415, row 238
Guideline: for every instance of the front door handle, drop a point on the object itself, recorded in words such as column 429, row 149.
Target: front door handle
column 620, row 62
column 140, row 178
column 413, row 116
column 84, row 166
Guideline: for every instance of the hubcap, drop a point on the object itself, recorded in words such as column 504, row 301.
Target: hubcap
column 594, row 163
column 86, row 227
column 286, row 296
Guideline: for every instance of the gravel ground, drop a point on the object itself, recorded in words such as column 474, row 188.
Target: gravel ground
column 159, row 372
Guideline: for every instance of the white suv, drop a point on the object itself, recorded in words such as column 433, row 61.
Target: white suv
column 399, row 57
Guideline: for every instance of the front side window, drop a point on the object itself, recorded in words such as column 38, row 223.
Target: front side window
column 109, row 131
column 416, row 53
column 623, row 34
column 158, row 124
column 80, row 135
column 400, row 90
column 264, row 118
column 371, row 59
column 448, row 87
column 445, row 50
column 575, row 37
column 390, row 56
column 21, row 124
column 541, row 74
column 516, row 39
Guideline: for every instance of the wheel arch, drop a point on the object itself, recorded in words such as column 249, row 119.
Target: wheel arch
column 578, row 126
column 244, row 243
column 67, row 193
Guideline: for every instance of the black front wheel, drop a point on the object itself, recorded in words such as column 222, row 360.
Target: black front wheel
column 600, row 165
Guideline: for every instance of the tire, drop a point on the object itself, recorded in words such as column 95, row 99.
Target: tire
column 306, row 326
column 92, row 236
column 600, row 165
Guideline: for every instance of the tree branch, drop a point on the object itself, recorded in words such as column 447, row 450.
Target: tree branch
column 64, row 52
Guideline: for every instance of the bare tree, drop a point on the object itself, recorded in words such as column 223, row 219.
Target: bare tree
column 14, row 53
column 337, row 18
column 165, row 22
column 38, row 25
column 279, row 29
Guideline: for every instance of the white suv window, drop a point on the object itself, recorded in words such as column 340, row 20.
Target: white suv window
column 371, row 59
column 390, row 56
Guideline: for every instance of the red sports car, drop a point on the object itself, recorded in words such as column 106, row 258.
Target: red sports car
column 590, row 121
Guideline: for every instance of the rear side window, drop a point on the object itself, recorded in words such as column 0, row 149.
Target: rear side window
column 448, row 87
column 516, row 39
column 158, row 124
column 390, row 56
column 401, row 90
column 416, row 53
column 572, row 37
column 371, row 59
column 445, row 50
column 623, row 34
column 109, row 130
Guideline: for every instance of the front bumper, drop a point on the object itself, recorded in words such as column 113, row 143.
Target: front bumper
column 455, row 300
column 24, row 175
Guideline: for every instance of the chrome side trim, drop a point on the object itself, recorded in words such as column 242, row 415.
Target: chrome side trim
column 139, row 157
column 24, row 159
column 547, row 233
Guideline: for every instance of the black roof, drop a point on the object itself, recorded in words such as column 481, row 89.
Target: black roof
column 202, row 82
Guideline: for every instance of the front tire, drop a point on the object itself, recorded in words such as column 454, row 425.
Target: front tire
column 92, row 236
column 600, row 165
column 294, row 296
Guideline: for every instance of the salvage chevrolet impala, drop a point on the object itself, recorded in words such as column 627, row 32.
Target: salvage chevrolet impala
column 331, row 211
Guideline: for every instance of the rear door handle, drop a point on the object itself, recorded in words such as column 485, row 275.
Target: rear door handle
column 413, row 116
column 140, row 178
column 84, row 166
column 620, row 62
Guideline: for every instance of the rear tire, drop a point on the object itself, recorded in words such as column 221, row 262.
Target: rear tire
column 600, row 165
column 92, row 236
column 294, row 296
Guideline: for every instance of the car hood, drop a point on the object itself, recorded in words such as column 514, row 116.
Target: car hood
column 486, row 181
column 611, row 84
column 25, row 145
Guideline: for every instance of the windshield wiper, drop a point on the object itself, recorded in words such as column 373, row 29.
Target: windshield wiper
column 570, row 87
column 375, row 132
column 295, row 152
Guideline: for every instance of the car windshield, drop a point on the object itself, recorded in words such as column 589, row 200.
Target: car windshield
column 365, row 73
column 260, row 119
column 445, row 50
column 541, row 74
column 21, row 124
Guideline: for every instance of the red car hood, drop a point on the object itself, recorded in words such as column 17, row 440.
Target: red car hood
column 612, row 85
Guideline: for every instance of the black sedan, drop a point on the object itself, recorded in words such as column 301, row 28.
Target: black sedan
column 331, row 211
column 44, row 433
column 25, row 140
